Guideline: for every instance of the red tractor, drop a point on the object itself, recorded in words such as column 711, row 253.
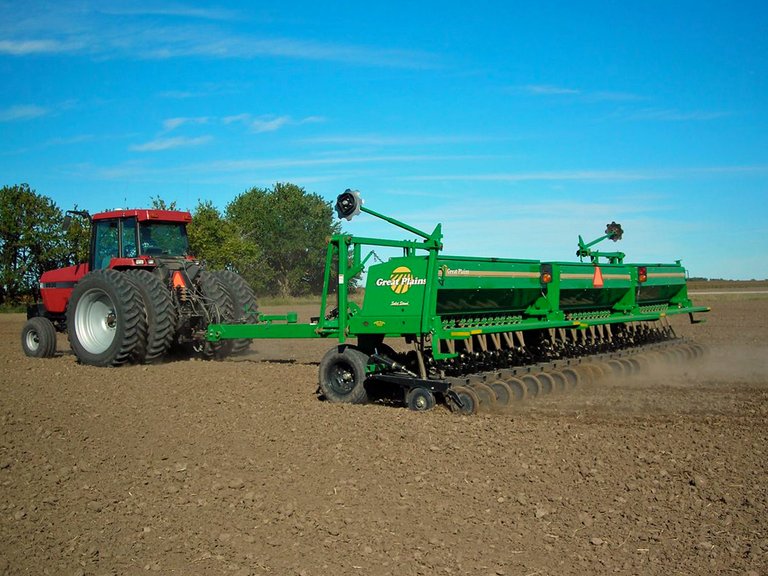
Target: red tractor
column 140, row 296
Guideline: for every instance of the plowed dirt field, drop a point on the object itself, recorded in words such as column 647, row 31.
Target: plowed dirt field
column 235, row 467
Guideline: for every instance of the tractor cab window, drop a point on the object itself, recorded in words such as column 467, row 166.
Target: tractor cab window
column 163, row 238
column 128, row 236
column 105, row 243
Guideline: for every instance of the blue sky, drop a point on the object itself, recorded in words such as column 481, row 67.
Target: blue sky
column 518, row 125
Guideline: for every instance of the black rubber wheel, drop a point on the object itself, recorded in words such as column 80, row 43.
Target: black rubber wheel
column 38, row 338
column 245, row 310
column 420, row 399
column 343, row 374
column 468, row 398
column 105, row 319
column 160, row 316
column 218, row 307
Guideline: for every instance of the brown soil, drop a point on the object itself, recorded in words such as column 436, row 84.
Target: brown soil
column 235, row 467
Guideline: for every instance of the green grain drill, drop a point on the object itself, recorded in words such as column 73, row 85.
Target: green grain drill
column 479, row 331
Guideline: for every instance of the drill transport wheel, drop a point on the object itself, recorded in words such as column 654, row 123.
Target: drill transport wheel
column 420, row 399
column 342, row 375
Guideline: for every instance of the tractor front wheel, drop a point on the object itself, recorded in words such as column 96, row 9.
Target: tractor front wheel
column 343, row 374
column 38, row 338
column 106, row 319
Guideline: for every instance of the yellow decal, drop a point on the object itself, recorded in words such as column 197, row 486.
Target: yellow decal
column 379, row 323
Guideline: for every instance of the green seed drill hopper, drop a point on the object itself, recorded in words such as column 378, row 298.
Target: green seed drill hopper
column 479, row 331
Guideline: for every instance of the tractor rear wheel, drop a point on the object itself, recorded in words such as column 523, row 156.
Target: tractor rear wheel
column 218, row 308
column 343, row 374
column 245, row 310
column 160, row 316
column 105, row 319
column 38, row 338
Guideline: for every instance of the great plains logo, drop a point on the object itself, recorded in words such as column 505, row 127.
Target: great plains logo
column 401, row 280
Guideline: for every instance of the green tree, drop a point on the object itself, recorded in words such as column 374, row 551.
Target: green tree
column 31, row 240
column 291, row 226
column 160, row 204
column 216, row 241
column 77, row 240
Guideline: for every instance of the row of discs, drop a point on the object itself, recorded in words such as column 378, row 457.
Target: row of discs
column 485, row 393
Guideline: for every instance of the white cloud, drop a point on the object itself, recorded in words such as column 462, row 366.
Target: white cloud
column 546, row 89
column 176, row 31
column 275, row 163
column 27, row 47
column 608, row 96
column 236, row 118
column 270, row 123
column 22, row 112
column 173, row 123
column 381, row 140
column 591, row 175
column 672, row 115
column 176, row 11
column 170, row 143
column 583, row 95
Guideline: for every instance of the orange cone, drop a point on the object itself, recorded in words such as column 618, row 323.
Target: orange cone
column 597, row 279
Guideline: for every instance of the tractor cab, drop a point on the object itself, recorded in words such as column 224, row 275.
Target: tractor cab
column 130, row 238
column 121, row 240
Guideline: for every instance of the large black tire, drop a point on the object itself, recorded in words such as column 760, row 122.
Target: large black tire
column 105, row 319
column 343, row 374
column 160, row 316
column 245, row 308
column 218, row 307
column 38, row 338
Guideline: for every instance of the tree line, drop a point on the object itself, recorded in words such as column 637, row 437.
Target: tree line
column 275, row 238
